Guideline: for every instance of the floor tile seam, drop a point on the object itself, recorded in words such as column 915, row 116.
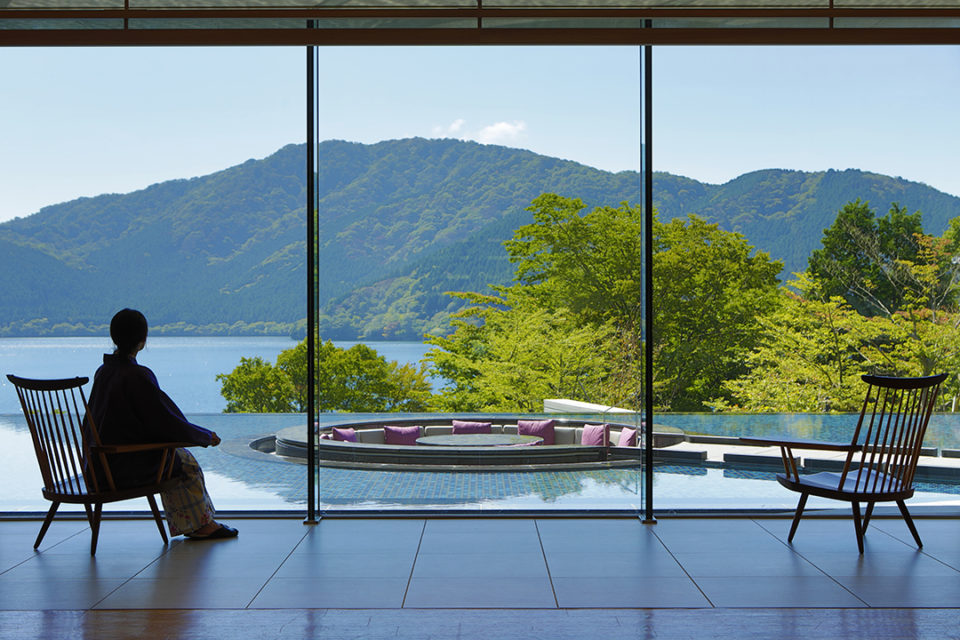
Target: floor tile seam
column 818, row 568
column 84, row 613
column 125, row 581
column 943, row 562
column 906, row 543
column 684, row 569
column 413, row 567
column 546, row 563
column 69, row 537
column 281, row 563
column 412, row 610
column 835, row 575
column 923, row 551
column 793, row 550
column 166, row 551
column 22, row 562
column 110, row 593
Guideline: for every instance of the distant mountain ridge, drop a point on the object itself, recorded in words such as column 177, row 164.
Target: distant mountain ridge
column 400, row 222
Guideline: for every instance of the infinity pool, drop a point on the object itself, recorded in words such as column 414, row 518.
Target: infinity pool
column 242, row 479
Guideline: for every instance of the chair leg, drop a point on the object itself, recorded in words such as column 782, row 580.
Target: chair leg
column 866, row 517
column 796, row 516
column 157, row 518
column 95, row 528
column 909, row 521
column 46, row 523
column 857, row 525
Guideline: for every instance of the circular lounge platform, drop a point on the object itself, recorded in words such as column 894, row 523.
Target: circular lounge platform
column 372, row 450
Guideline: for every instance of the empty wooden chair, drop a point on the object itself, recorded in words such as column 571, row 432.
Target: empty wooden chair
column 73, row 461
column 881, row 457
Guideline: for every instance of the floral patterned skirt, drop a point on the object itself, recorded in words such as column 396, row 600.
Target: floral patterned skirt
column 188, row 506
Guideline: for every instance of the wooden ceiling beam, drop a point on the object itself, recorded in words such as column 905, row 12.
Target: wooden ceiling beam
column 484, row 36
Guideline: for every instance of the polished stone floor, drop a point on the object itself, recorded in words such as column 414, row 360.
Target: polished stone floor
column 541, row 573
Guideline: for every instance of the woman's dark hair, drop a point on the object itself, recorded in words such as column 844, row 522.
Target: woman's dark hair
column 128, row 329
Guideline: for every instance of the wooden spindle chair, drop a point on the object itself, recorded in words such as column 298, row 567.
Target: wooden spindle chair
column 70, row 454
column 881, row 457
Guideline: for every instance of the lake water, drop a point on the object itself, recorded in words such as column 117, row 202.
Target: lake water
column 187, row 368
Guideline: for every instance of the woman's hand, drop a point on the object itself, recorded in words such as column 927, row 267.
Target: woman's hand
column 214, row 440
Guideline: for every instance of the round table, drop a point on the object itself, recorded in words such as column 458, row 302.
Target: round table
column 478, row 440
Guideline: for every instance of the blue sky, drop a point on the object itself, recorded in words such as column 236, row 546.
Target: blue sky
column 147, row 115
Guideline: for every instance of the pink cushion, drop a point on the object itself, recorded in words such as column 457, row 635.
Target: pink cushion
column 540, row 428
column 459, row 427
column 628, row 438
column 344, row 434
column 401, row 435
column 325, row 436
column 595, row 435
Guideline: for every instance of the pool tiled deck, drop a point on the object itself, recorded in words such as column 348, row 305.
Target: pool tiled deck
column 490, row 578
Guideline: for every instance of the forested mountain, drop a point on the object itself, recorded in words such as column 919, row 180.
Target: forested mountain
column 785, row 212
column 400, row 222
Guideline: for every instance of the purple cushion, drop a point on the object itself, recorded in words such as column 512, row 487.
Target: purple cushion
column 344, row 434
column 401, row 435
column 539, row 428
column 595, row 435
column 459, row 427
column 628, row 438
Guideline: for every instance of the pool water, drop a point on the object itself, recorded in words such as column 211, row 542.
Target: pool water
column 943, row 431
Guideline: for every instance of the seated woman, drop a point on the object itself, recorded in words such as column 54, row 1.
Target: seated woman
column 127, row 407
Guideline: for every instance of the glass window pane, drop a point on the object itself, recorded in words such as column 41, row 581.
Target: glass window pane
column 170, row 181
column 775, row 169
column 460, row 170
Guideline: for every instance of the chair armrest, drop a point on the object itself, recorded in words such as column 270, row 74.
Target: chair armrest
column 133, row 448
column 799, row 443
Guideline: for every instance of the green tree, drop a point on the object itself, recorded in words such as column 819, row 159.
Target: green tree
column 709, row 291
column 866, row 260
column 588, row 263
column 293, row 363
column 357, row 379
column 256, row 386
column 812, row 351
column 517, row 355
column 889, row 267
column 578, row 278
column 809, row 359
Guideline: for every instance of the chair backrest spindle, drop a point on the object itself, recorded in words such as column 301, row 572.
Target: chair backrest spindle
column 899, row 411
column 54, row 411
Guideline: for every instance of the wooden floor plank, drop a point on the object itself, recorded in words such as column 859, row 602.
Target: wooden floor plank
column 334, row 624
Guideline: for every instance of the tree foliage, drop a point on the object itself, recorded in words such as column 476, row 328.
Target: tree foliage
column 577, row 294
column 710, row 289
column 508, row 354
column 354, row 380
column 884, row 265
column 256, row 386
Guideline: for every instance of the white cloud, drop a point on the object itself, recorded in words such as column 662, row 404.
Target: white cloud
column 449, row 131
column 496, row 133
column 501, row 132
